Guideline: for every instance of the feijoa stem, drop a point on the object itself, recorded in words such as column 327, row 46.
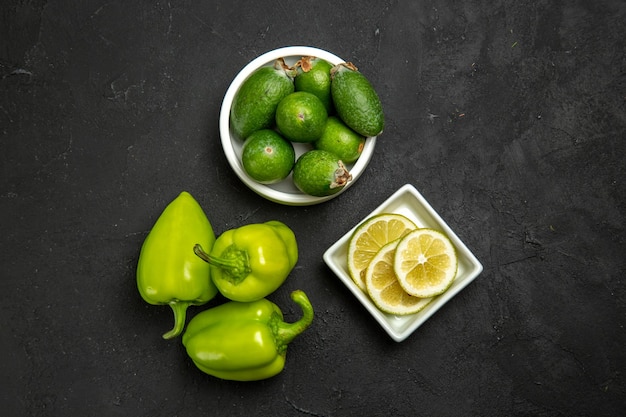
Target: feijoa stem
column 342, row 176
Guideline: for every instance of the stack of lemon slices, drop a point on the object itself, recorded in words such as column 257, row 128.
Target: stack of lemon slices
column 400, row 266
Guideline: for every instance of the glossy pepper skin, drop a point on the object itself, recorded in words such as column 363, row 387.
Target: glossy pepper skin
column 168, row 271
column 252, row 261
column 244, row 341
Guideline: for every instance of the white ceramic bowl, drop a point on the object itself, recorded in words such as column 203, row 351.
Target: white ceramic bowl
column 284, row 192
column 410, row 203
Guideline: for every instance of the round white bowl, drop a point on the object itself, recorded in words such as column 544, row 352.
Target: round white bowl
column 284, row 192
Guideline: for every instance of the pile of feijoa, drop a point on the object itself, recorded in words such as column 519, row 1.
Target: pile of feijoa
column 331, row 109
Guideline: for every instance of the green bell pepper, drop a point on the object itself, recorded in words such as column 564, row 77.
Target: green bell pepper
column 244, row 341
column 252, row 261
column 168, row 271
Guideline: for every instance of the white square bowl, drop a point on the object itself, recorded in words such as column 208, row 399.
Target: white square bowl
column 410, row 203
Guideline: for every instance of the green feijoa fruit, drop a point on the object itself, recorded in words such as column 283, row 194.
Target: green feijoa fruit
column 355, row 100
column 320, row 173
column 301, row 117
column 340, row 140
column 254, row 104
column 313, row 76
column 267, row 157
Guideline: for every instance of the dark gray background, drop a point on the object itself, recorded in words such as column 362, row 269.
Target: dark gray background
column 508, row 116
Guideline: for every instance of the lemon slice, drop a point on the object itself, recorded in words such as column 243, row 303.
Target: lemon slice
column 425, row 263
column 383, row 286
column 369, row 237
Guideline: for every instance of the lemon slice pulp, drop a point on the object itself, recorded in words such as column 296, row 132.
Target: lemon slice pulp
column 370, row 237
column 383, row 286
column 425, row 263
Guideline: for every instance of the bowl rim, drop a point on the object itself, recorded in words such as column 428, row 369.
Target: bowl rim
column 267, row 190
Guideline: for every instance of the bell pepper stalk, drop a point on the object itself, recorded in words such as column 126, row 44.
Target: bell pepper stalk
column 242, row 341
column 250, row 262
column 168, row 272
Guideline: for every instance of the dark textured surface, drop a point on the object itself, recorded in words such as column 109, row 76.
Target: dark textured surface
column 508, row 116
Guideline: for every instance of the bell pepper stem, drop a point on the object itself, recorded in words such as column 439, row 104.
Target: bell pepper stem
column 180, row 312
column 286, row 332
column 236, row 263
